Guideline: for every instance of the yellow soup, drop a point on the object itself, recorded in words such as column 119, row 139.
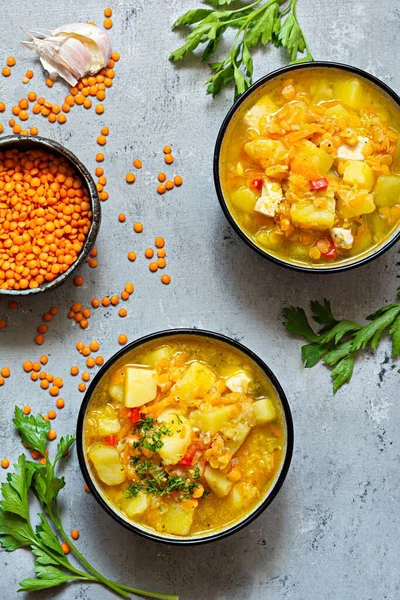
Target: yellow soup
column 310, row 167
column 184, row 435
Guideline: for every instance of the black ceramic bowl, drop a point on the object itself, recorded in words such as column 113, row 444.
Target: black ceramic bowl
column 22, row 142
column 285, row 71
column 170, row 539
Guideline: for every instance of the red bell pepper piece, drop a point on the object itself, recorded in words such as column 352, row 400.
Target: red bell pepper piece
column 134, row 414
column 187, row 460
column 331, row 253
column 256, row 184
column 319, row 184
column 110, row 440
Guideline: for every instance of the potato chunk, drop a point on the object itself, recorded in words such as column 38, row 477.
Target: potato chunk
column 349, row 91
column 387, row 190
column 314, row 214
column 212, row 420
column 135, row 506
column 152, row 356
column 264, row 410
column 266, row 152
column 236, row 496
column 176, row 520
column 358, row 173
column 107, row 464
column 310, row 161
column 353, row 203
column 218, row 482
column 140, row 386
column 244, row 199
column 176, row 442
column 237, row 436
column 197, row 381
column 108, row 426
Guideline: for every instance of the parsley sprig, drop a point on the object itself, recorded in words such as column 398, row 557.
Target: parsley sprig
column 338, row 343
column 260, row 22
column 52, row 567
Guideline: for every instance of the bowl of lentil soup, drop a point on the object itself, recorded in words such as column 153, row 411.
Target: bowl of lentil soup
column 307, row 167
column 184, row 436
column 49, row 214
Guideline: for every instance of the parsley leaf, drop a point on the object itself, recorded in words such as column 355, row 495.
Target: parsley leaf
column 258, row 22
column 338, row 343
column 33, row 430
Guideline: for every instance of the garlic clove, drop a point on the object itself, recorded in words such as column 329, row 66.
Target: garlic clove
column 71, row 51
column 93, row 37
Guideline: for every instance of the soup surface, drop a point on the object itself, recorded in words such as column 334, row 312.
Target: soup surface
column 310, row 167
column 184, row 435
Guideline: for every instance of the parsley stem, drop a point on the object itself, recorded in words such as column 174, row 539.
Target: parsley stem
column 56, row 520
column 293, row 7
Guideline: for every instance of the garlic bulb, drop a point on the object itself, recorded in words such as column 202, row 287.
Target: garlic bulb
column 71, row 51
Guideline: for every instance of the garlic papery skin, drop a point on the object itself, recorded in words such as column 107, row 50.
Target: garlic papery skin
column 71, row 51
column 94, row 38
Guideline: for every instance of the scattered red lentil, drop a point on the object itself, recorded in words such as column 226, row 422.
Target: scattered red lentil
column 122, row 339
column 99, row 361
column 6, row 72
column 107, row 23
column 27, row 366
column 153, row 266
column 75, row 534
column 52, row 414
column 165, row 279
column 159, row 242
column 137, row 163
column 2, row 381
column 81, row 387
column 169, row 185
column 74, row 370
column 5, row 463
column 129, row 287
column 161, row 189
column 167, row 149
column 78, row 281
column 121, row 218
column 122, row 312
column 86, row 488
column 168, row 159
column 132, row 256
column 114, row 300
column 178, row 180
column 161, row 177
column 65, row 548
column 130, row 178
column 5, row 372
column 95, row 303
column 149, row 253
column 26, row 410
column 60, row 403
column 52, row 434
column 90, row 362
column 161, row 263
column 138, row 227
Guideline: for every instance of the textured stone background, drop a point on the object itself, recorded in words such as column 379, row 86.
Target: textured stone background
column 333, row 531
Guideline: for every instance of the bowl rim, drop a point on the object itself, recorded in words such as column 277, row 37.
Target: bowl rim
column 54, row 146
column 271, row 494
column 217, row 152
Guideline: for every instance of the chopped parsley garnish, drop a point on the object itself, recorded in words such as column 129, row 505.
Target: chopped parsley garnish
column 155, row 480
column 133, row 490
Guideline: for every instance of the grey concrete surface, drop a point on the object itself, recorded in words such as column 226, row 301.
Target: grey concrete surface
column 333, row 531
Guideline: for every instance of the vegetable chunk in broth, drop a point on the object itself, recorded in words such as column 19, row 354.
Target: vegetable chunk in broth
column 184, row 435
column 310, row 167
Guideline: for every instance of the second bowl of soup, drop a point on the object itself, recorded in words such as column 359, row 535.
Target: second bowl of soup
column 307, row 167
column 185, row 436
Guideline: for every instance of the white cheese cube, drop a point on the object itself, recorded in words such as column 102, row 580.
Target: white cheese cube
column 271, row 197
column 238, row 382
column 347, row 152
column 342, row 238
